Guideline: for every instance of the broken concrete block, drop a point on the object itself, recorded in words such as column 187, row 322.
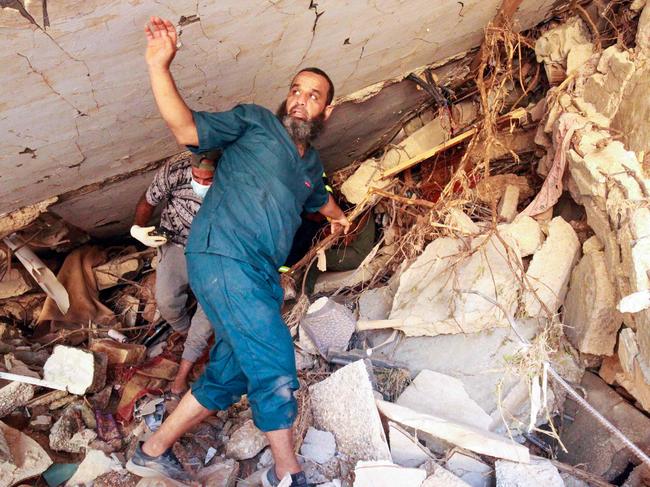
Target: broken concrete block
column 30, row 460
column 318, row 446
column 70, row 367
column 360, row 435
column 69, row 433
column 507, row 208
column 590, row 316
column 492, row 188
column 383, row 473
column 589, row 443
column 592, row 244
column 443, row 478
column 94, row 464
column 460, row 434
column 479, row 360
column 246, row 442
column 555, row 45
column 441, row 395
column 375, row 304
column 470, row 470
column 403, row 450
column 526, row 233
column 538, row 472
column 41, row 423
column 5, row 452
column 14, row 395
column 222, row 474
column 428, row 300
column 628, row 349
column 329, row 325
column 13, row 284
column 119, row 353
column 459, row 222
column 550, row 269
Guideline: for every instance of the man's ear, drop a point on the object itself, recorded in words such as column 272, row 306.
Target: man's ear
column 328, row 111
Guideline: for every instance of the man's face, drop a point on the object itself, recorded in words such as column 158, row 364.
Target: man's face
column 203, row 176
column 307, row 97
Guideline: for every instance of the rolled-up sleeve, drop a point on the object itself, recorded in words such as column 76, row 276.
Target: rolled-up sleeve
column 317, row 198
column 217, row 130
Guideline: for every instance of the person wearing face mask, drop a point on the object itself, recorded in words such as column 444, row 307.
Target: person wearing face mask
column 180, row 186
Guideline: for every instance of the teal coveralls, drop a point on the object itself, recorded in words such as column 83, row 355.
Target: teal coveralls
column 239, row 238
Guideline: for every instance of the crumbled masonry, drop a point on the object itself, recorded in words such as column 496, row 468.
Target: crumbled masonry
column 509, row 189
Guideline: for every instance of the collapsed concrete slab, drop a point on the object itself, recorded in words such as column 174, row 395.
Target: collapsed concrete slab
column 460, row 434
column 403, row 450
column 590, row 316
column 470, row 470
column 360, row 435
column 430, row 300
column 442, row 395
column 28, row 458
column 538, row 472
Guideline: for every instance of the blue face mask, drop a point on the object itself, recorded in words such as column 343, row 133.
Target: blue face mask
column 200, row 189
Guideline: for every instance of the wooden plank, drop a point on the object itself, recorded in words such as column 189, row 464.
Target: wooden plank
column 518, row 114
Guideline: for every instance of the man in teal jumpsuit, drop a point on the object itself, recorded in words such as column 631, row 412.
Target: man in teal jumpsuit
column 267, row 175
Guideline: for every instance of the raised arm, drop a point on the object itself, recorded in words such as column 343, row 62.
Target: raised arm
column 161, row 49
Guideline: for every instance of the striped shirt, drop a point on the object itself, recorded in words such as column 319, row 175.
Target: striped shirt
column 172, row 186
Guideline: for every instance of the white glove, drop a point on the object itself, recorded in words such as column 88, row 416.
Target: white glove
column 143, row 235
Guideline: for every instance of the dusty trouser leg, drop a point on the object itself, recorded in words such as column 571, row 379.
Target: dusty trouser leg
column 172, row 286
column 245, row 302
column 195, row 343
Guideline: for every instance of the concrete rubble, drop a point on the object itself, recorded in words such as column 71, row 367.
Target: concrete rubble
column 502, row 249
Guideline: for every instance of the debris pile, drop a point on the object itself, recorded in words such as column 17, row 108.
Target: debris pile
column 512, row 247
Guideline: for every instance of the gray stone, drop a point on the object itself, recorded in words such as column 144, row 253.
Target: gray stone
column 403, row 450
column 359, row 435
column 14, row 395
column 69, row 433
column 222, row 474
column 318, row 446
column 470, row 470
column 246, row 442
column 589, row 443
column 386, row 474
column 375, row 304
column 590, row 316
column 539, row 472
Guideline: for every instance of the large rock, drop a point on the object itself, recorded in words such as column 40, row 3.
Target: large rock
column 318, row 446
column 590, row 316
column 539, row 472
column 550, row 269
column 359, row 435
column 246, row 442
column 589, row 443
column 29, row 459
column 429, row 301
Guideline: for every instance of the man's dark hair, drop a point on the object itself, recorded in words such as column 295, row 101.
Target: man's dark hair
column 320, row 72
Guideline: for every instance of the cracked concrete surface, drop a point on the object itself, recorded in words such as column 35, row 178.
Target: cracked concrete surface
column 79, row 109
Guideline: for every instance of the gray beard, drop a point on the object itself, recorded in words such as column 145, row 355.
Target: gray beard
column 302, row 132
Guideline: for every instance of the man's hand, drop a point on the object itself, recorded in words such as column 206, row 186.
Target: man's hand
column 143, row 234
column 161, row 43
column 340, row 224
